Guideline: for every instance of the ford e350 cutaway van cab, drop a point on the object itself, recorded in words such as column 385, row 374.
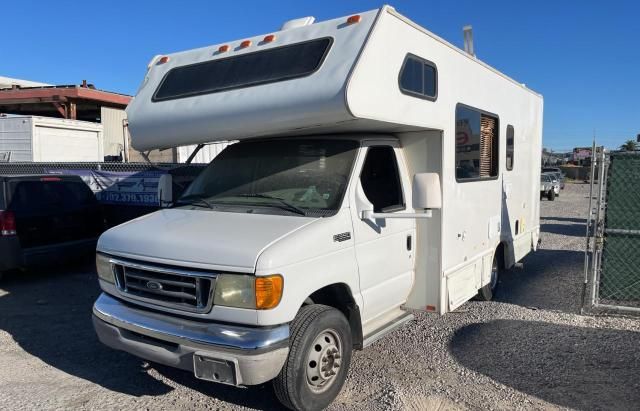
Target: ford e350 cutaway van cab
column 378, row 169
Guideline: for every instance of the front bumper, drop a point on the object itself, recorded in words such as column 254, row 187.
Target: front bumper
column 253, row 355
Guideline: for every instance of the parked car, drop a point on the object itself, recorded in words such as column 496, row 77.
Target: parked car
column 45, row 219
column 547, row 187
column 558, row 174
column 556, row 183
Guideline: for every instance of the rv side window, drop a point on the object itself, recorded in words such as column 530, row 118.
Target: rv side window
column 476, row 144
column 510, row 145
column 381, row 180
column 419, row 78
column 246, row 70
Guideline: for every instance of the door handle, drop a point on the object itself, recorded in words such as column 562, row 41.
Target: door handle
column 409, row 243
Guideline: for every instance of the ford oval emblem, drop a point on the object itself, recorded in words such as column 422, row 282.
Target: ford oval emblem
column 154, row 285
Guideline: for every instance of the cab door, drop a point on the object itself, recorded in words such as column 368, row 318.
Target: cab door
column 384, row 249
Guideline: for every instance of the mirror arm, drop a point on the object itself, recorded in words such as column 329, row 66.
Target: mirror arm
column 370, row 215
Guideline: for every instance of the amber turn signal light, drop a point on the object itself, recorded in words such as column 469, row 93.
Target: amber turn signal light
column 269, row 291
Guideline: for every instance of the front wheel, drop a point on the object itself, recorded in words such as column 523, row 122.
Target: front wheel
column 319, row 357
column 551, row 196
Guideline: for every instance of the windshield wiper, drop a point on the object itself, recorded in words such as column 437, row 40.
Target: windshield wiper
column 197, row 199
column 282, row 202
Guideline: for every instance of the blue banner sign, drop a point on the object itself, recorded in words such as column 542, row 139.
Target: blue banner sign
column 120, row 187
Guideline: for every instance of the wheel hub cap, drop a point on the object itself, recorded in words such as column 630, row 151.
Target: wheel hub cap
column 324, row 360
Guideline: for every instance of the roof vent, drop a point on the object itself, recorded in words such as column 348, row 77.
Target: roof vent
column 301, row 22
column 467, row 33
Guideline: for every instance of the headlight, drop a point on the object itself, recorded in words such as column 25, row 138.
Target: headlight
column 103, row 267
column 248, row 291
column 235, row 291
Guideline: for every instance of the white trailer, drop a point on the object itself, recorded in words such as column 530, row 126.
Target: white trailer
column 47, row 139
column 378, row 169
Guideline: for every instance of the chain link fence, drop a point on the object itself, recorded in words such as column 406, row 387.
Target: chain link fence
column 44, row 168
column 612, row 263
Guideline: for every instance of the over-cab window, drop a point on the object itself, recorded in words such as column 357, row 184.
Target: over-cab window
column 510, row 145
column 419, row 78
column 245, row 70
column 476, row 144
column 380, row 180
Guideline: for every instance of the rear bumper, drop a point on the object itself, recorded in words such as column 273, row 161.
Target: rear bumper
column 58, row 252
column 11, row 253
column 14, row 256
column 253, row 355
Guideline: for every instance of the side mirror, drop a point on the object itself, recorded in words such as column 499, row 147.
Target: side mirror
column 165, row 191
column 426, row 191
column 367, row 213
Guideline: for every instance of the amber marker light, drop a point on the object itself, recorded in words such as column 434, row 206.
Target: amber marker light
column 163, row 59
column 245, row 44
column 354, row 19
column 269, row 291
column 223, row 49
column 269, row 38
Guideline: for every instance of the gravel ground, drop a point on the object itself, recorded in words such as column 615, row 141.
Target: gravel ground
column 528, row 349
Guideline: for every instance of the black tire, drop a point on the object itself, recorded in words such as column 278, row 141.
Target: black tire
column 551, row 195
column 293, row 385
column 487, row 292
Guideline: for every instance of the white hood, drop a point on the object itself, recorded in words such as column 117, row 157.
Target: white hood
column 200, row 238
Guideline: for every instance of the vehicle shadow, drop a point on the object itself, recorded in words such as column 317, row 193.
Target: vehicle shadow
column 48, row 313
column 582, row 221
column 565, row 365
column 571, row 230
column 259, row 397
column 549, row 280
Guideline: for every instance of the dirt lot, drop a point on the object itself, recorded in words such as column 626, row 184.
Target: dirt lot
column 529, row 349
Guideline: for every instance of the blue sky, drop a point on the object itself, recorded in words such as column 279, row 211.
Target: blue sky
column 583, row 56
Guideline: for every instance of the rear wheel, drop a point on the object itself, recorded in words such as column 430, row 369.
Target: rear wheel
column 551, row 195
column 486, row 293
column 319, row 358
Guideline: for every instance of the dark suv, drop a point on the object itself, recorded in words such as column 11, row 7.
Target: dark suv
column 45, row 219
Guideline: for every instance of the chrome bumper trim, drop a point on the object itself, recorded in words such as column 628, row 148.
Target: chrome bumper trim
column 183, row 331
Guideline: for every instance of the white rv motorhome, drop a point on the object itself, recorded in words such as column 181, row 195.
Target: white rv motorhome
column 378, row 170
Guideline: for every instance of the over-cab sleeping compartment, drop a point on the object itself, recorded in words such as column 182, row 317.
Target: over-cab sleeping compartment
column 257, row 86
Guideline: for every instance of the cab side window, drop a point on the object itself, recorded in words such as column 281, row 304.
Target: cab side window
column 380, row 180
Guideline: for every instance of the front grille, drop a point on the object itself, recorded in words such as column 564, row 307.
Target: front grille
column 166, row 286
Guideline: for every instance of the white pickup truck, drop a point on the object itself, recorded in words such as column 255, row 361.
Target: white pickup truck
column 370, row 177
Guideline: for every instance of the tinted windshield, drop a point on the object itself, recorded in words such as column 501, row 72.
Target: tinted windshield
column 302, row 175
